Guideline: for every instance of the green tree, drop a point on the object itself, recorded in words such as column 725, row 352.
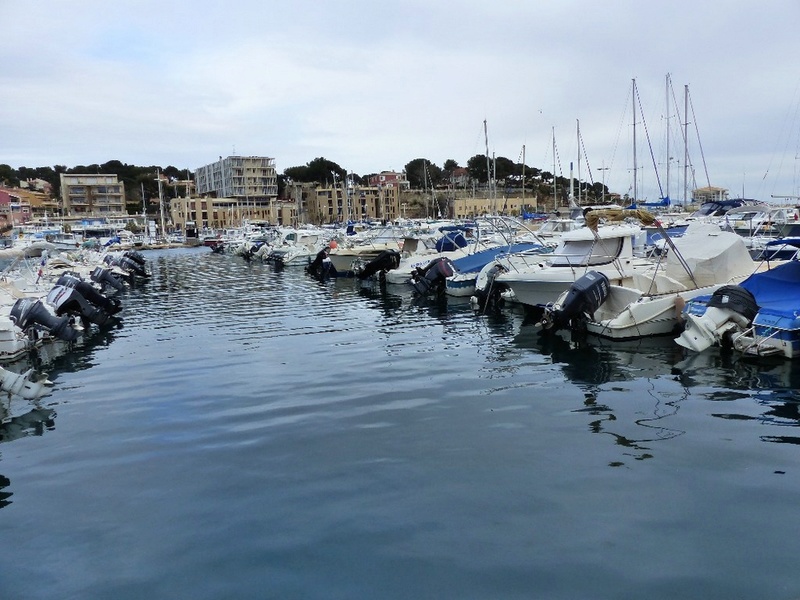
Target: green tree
column 7, row 175
column 422, row 173
column 448, row 169
column 476, row 166
column 320, row 170
column 504, row 168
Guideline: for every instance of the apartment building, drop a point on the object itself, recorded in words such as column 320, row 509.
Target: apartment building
column 219, row 213
column 95, row 195
column 340, row 204
column 229, row 191
column 249, row 179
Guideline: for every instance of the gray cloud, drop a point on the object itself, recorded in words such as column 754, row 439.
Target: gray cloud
column 373, row 86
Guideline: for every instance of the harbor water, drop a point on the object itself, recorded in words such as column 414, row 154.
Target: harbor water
column 248, row 432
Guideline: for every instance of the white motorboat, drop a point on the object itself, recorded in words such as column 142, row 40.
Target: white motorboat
column 349, row 254
column 296, row 247
column 538, row 279
column 758, row 318
column 418, row 252
column 699, row 262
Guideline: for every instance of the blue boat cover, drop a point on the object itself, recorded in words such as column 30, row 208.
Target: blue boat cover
column 785, row 241
column 451, row 241
column 476, row 261
column 777, row 290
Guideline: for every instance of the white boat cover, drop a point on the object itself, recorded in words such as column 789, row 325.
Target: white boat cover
column 714, row 256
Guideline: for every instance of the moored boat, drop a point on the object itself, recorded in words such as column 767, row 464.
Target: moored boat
column 760, row 317
column 696, row 263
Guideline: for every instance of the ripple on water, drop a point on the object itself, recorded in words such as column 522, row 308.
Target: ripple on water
column 249, row 429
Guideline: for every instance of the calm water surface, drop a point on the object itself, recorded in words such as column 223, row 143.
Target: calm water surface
column 250, row 433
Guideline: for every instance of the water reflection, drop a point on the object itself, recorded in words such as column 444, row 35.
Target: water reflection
column 657, row 370
column 391, row 297
column 595, row 361
column 633, row 390
column 4, row 496
column 763, row 392
column 725, row 369
column 59, row 356
column 20, row 417
column 35, row 421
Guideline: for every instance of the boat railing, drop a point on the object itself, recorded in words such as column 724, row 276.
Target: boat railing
column 749, row 342
column 527, row 259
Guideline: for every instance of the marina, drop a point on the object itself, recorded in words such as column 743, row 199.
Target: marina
column 343, row 302
column 244, row 430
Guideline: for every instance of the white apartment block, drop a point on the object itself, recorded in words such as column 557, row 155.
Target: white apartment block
column 248, row 178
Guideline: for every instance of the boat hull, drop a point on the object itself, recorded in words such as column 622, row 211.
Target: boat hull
column 648, row 316
column 771, row 334
column 461, row 285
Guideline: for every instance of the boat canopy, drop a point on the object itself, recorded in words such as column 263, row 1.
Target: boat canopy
column 776, row 290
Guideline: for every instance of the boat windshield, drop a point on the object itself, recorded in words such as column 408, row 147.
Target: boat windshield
column 587, row 253
column 557, row 226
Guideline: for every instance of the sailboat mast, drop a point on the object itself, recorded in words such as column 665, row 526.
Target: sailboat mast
column 579, row 159
column 161, row 203
column 494, row 184
column 666, row 92
column 685, row 144
column 633, row 99
column 555, row 195
column 488, row 163
column 571, row 184
column 523, row 175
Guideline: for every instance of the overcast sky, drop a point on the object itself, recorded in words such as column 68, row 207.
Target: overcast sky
column 373, row 85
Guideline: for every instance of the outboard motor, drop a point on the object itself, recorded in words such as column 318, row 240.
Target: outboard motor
column 88, row 291
column 29, row 385
column 249, row 250
column 67, row 300
column 112, row 261
column 105, row 278
column 30, row 313
column 385, row 261
column 582, row 299
column 432, row 278
column 488, row 293
column 730, row 310
column 735, row 298
column 135, row 256
column 321, row 267
column 132, row 266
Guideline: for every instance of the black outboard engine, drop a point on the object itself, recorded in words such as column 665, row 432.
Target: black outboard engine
column 583, row 298
column 111, row 305
column 131, row 262
column 385, row 261
column 321, row 267
column 30, row 313
column 113, row 261
column 432, row 278
column 135, row 256
column 106, row 278
column 133, row 266
column 67, row 300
